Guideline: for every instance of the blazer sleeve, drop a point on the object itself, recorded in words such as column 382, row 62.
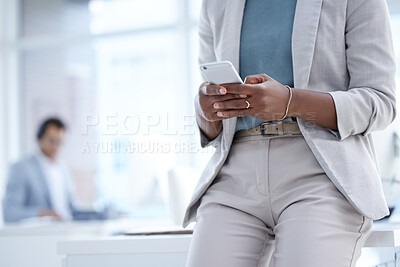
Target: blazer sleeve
column 14, row 209
column 206, row 54
column 70, row 191
column 369, row 104
column 205, row 142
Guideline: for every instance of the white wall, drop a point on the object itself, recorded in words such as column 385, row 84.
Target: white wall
column 394, row 6
column 2, row 107
column 9, row 92
column 13, row 105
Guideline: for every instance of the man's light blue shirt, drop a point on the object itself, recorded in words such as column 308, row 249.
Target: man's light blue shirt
column 265, row 44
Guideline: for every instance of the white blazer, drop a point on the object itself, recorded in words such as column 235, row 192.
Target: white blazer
column 343, row 47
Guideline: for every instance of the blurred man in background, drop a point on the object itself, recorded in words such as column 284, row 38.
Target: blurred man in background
column 39, row 185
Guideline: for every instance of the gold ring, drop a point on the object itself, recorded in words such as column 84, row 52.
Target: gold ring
column 248, row 104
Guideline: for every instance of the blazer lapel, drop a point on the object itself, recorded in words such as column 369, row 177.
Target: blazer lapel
column 230, row 39
column 305, row 27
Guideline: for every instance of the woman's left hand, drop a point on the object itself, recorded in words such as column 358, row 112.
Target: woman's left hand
column 267, row 98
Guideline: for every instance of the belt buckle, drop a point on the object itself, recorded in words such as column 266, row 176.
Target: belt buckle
column 262, row 127
column 278, row 126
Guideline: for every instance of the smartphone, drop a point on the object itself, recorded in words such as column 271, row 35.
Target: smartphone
column 220, row 72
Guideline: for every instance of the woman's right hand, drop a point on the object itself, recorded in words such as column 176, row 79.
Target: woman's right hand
column 209, row 94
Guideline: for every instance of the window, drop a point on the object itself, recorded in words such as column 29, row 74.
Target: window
column 121, row 74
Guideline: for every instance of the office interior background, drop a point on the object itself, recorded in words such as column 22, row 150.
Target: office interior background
column 123, row 75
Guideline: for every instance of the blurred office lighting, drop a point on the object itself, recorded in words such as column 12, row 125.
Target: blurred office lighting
column 126, row 64
column 111, row 59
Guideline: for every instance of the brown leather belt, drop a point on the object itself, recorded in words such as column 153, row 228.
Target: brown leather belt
column 285, row 127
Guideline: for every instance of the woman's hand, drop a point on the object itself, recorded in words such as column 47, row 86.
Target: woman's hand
column 206, row 114
column 267, row 98
column 210, row 94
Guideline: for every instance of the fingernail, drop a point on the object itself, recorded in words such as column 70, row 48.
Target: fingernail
column 216, row 105
column 243, row 96
column 219, row 114
column 222, row 90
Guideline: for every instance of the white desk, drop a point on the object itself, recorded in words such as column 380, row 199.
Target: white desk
column 35, row 244
column 382, row 249
column 140, row 251
column 171, row 251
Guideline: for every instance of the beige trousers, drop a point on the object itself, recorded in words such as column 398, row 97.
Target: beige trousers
column 272, row 205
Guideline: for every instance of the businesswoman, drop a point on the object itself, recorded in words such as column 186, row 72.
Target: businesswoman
column 293, row 180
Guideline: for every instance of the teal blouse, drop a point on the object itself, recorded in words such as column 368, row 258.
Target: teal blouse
column 265, row 44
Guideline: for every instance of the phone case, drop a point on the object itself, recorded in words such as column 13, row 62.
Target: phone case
column 220, row 72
